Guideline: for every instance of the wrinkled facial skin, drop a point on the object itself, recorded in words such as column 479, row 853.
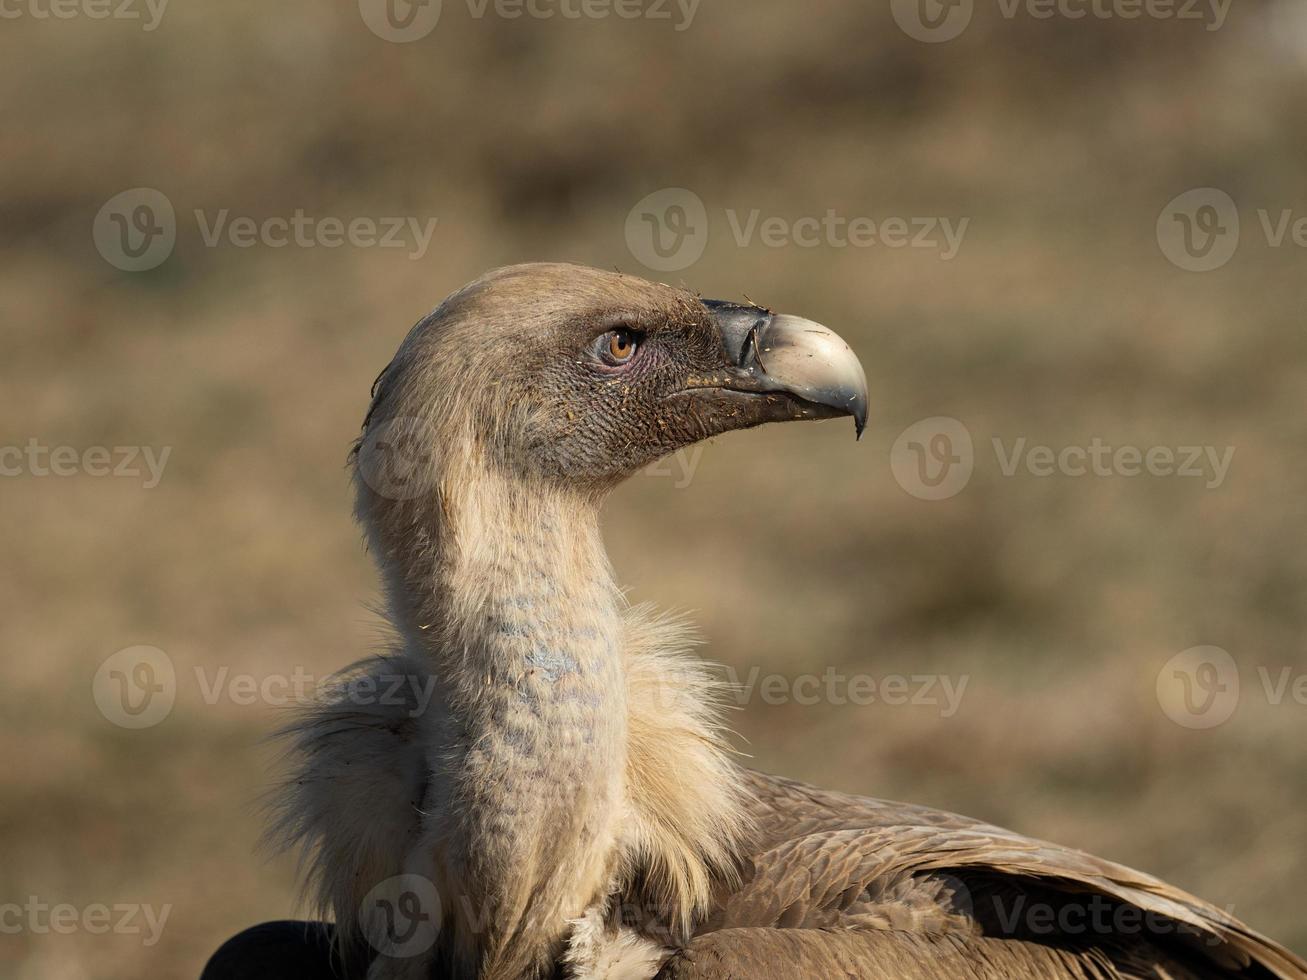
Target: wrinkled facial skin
column 602, row 421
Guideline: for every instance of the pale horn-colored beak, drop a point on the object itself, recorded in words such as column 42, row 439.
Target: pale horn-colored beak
column 778, row 353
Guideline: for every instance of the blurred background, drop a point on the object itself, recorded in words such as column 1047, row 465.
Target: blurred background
column 1037, row 230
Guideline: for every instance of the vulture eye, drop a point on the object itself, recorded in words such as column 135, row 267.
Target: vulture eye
column 618, row 346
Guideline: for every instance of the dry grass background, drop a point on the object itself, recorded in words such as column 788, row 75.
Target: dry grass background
column 1059, row 321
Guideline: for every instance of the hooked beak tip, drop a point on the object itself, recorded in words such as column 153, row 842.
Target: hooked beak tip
column 800, row 357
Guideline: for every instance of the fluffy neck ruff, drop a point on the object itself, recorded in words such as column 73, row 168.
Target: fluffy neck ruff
column 575, row 771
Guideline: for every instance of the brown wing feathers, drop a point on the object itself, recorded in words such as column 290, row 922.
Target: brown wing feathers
column 883, row 886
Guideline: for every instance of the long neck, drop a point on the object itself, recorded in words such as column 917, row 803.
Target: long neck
column 510, row 600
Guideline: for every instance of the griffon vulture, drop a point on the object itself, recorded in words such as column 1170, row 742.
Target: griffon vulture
column 564, row 806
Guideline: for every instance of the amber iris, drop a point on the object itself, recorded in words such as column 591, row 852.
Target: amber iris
column 621, row 345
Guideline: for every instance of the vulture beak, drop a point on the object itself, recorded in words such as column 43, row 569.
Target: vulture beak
column 775, row 354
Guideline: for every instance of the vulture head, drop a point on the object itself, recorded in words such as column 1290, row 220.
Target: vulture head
column 571, row 376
